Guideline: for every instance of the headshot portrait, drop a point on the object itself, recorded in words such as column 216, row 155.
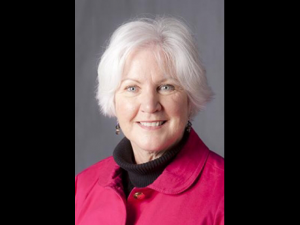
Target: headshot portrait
column 149, row 112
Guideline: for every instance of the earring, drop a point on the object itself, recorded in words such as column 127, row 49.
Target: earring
column 117, row 129
column 189, row 126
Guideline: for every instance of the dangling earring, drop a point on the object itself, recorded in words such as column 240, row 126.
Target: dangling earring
column 117, row 129
column 189, row 126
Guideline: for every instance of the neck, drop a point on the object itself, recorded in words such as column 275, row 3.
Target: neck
column 142, row 156
column 143, row 174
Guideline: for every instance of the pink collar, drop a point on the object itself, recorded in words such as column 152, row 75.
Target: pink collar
column 179, row 175
column 184, row 170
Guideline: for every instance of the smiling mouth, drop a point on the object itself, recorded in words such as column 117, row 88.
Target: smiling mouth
column 152, row 124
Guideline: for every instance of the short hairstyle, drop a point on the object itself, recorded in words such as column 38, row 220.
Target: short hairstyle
column 175, row 43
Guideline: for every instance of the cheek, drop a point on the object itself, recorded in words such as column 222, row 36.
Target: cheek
column 178, row 106
column 125, row 109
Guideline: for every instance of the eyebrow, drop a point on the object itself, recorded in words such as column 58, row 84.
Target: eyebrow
column 130, row 80
column 160, row 81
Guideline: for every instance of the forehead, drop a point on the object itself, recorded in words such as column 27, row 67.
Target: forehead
column 146, row 61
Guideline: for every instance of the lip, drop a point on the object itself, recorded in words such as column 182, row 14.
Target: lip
column 149, row 128
column 150, row 121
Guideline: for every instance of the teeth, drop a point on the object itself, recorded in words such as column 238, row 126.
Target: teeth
column 153, row 124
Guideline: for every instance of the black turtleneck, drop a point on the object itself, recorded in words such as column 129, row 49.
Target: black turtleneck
column 141, row 175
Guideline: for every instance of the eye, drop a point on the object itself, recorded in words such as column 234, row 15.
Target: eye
column 131, row 88
column 166, row 87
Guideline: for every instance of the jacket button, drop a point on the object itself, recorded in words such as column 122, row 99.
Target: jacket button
column 139, row 195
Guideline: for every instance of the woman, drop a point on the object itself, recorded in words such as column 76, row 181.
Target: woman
column 151, row 79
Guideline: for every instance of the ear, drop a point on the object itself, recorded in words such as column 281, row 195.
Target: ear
column 189, row 108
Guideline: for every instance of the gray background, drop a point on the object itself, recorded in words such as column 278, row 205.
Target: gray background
column 95, row 21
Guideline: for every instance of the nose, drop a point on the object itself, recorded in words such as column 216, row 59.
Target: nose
column 150, row 102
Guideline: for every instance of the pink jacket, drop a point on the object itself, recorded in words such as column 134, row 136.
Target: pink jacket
column 189, row 191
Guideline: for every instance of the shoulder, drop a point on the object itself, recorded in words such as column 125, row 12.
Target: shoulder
column 93, row 172
column 213, row 175
column 216, row 161
column 213, row 171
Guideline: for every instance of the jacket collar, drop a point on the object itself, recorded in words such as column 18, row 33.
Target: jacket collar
column 178, row 176
column 181, row 173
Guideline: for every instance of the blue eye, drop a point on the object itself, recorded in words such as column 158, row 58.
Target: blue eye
column 166, row 87
column 131, row 88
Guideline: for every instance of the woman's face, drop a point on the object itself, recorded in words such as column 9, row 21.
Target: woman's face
column 151, row 106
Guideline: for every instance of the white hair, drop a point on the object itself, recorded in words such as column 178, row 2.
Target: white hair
column 173, row 40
